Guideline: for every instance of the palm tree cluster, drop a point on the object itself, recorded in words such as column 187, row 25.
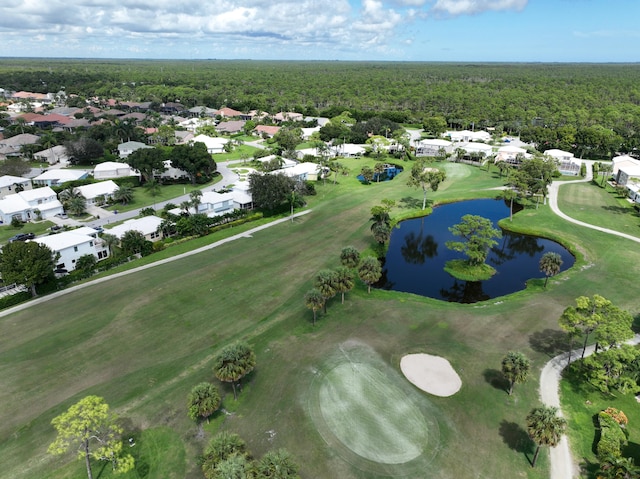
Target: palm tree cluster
column 226, row 456
column 328, row 283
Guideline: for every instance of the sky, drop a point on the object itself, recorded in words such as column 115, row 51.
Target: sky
column 386, row 30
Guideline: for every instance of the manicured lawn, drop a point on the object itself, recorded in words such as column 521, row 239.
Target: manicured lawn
column 39, row 228
column 599, row 206
column 582, row 403
column 142, row 341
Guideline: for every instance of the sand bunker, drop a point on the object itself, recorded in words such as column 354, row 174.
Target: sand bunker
column 432, row 374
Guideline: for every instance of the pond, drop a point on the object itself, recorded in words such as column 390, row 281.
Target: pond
column 417, row 255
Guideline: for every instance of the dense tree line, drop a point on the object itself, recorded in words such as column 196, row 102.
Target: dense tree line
column 513, row 96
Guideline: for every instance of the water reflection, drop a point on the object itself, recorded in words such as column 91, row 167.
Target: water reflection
column 415, row 261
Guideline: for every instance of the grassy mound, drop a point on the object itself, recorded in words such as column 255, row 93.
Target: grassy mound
column 462, row 270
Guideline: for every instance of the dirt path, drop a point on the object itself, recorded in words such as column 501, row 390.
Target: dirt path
column 562, row 463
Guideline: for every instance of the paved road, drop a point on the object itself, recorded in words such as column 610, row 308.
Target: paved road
column 563, row 465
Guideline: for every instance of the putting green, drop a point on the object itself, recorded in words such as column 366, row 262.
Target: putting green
column 370, row 415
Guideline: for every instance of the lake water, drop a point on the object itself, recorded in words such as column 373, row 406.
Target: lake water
column 417, row 254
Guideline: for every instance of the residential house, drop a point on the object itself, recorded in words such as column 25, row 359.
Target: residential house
column 172, row 108
column 26, row 205
column 627, row 174
column 58, row 176
column 202, row 111
column 288, row 116
column 173, row 173
column 128, row 147
column 230, row 127
column 226, row 112
column 468, row 136
column 348, row 150
column 213, row 203
column 192, row 124
column 476, row 147
column 621, row 162
column 56, row 154
column 148, row 226
column 113, row 169
column 433, row 147
column 214, row 145
column 8, row 185
column 13, row 146
column 98, row 193
column 73, row 244
column 302, row 171
column 511, row 154
column 266, row 130
column 567, row 163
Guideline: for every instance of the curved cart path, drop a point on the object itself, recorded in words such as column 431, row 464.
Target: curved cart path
column 562, row 463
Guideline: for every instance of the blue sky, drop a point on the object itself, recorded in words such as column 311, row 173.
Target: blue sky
column 406, row 30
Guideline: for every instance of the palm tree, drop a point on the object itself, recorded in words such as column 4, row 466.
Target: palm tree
column 233, row 363
column 550, row 265
column 220, row 448
column 76, row 205
column 349, row 257
column 67, row 194
column 515, row 368
column 110, row 241
column 203, row 401
column 195, row 196
column 325, row 283
column 545, row 427
column 343, row 280
column 378, row 170
column 369, row 271
column 124, row 194
column 314, row 300
column 619, row 468
column 277, row 465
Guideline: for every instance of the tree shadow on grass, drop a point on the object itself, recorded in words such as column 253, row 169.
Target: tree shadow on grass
column 496, row 379
column 636, row 324
column 514, row 436
column 616, row 209
column 549, row 341
column 410, row 203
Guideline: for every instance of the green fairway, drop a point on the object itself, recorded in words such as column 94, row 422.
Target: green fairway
column 143, row 341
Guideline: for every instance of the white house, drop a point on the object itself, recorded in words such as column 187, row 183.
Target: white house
column 510, row 154
column 348, row 150
column 58, row 176
column 56, row 154
column 473, row 147
column 214, row 204
column 148, row 226
column 214, row 145
column 9, row 183
column 98, row 193
column 622, row 161
column 627, row 173
column 73, row 244
column 113, row 169
column 128, row 147
column 468, row 136
column 433, row 147
column 24, row 205
column 567, row 163
column 172, row 173
column 301, row 171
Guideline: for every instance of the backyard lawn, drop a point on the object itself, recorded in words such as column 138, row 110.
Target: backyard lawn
column 142, row 341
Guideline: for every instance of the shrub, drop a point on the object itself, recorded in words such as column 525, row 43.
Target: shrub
column 612, row 436
column 14, row 299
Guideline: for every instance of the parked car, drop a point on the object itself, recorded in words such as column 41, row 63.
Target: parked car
column 62, row 216
column 22, row 237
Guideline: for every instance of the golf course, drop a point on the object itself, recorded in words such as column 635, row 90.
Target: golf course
column 332, row 394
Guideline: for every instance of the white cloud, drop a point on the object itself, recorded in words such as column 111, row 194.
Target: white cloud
column 608, row 34
column 472, row 7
